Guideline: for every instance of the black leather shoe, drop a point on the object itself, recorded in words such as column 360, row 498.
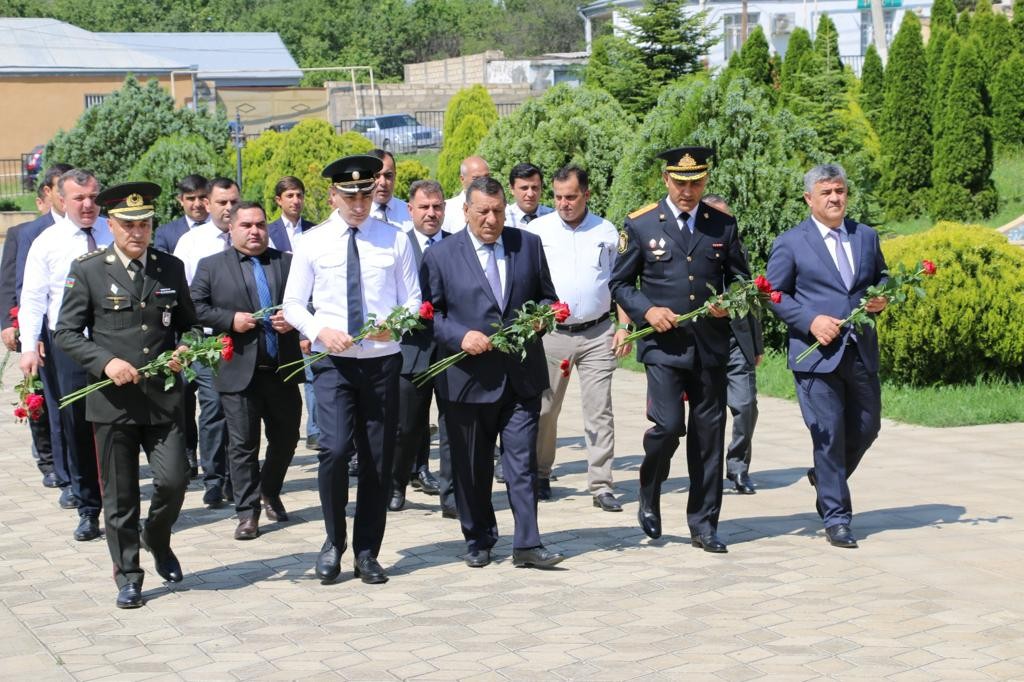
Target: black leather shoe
column 812, row 478
column 328, row 564
column 499, row 471
column 193, row 465
column 67, row 499
column 426, row 483
column 353, row 466
column 167, row 565
column 248, row 529
column 536, row 557
column 50, row 480
column 88, row 529
column 742, row 483
column 709, row 542
column 214, row 497
column 543, row 489
column 274, row 509
column 649, row 515
column 369, row 571
column 478, row 558
column 397, row 501
column 841, row 536
column 607, row 502
column 449, row 512
column 312, row 442
column 129, row 596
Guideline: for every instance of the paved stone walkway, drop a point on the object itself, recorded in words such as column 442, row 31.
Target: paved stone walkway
column 936, row 590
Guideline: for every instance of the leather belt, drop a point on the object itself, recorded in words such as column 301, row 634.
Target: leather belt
column 582, row 326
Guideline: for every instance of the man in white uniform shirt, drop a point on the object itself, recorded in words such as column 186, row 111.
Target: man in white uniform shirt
column 385, row 206
column 581, row 249
column 198, row 243
column 46, row 270
column 353, row 266
column 526, row 182
column 470, row 169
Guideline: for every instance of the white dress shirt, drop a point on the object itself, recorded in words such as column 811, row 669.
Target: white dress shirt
column 691, row 220
column 514, row 215
column 580, row 261
column 319, row 268
column 454, row 216
column 397, row 214
column 830, row 245
column 46, row 274
column 483, row 254
column 422, row 239
column 195, row 245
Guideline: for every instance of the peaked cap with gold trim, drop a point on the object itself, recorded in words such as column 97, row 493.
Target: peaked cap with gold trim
column 130, row 201
column 352, row 174
column 687, row 163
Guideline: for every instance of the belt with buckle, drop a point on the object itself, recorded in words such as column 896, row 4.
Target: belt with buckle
column 582, row 326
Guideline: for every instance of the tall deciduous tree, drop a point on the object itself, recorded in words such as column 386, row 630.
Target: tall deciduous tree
column 905, row 124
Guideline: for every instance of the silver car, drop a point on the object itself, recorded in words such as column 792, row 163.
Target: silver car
column 397, row 132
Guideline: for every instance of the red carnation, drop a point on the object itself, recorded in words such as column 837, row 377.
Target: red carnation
column 776, row 296
column 762, row 284
column 227, row 350
column 20, row 412
column 34, row 401
column 427, row 311
column 928, row 267
column 13, row 312
column 561, row 311
column 565, row 366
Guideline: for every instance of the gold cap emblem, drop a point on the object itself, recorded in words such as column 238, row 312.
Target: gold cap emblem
column 134, row 200
column 687, row 162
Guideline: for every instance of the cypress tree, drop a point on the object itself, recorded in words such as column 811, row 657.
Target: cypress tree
column 871, row 85
column 460, row 144
column 940, row 88
column 753, row 60
column 1008, row 103
column 962, row 171
column 943, row 15
column 905, row 129
column 933, row 54
column 799, row 45
column 1018, row 20
column 826, row 44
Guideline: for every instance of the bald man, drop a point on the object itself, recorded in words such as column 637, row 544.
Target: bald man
column 470, row 169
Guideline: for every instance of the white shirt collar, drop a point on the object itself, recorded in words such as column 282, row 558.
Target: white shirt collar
column 825, row 229
column 479, row 245
column 691, row 222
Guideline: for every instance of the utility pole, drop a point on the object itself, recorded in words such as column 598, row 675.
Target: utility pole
column 239, row 143
column 878, row 29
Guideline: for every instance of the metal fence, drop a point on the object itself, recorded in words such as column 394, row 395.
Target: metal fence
column 13, row 179
column 425, row 133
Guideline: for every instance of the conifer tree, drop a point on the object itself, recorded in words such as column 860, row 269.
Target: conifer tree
column 995, row 36
column 905, row 129
column 753, row 60
column 1018, row 21
column 962, row 168
column 943, row 15
column 826, row 45
column 799, row 46
column 933, row 52
column 1008, row 103
column 872, row 85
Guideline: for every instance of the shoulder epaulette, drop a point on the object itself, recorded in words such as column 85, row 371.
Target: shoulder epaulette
column 91, row 254
column 646, row 209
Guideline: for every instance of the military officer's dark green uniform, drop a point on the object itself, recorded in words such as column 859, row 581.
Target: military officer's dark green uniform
column 675, row 255
column 131, row 311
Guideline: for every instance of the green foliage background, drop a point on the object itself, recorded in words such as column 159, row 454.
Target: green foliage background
column 171, row 158
column 461, row 144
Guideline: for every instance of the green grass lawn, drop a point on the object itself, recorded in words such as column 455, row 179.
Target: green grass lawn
column 983, row 403
column 1008, row 175
column 25, row 202
column 427, row 158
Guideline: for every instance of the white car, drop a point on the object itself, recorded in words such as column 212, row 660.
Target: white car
column 397, row 132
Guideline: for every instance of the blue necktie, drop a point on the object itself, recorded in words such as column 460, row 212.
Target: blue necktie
column 354, row 282
column 842, row 262
column 493, row 278
column 263, row 293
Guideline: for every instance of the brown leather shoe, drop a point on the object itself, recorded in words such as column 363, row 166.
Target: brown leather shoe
column 248, row 529
column 274, row 509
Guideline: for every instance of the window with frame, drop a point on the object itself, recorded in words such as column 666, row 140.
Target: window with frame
column 93, row 100
column 732, row 25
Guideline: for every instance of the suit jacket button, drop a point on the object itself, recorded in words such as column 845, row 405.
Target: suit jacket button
column 145, row 327
column 142, row 304
column 689, row 259
column 692, row 297
column 691, row 278
column 145, row 350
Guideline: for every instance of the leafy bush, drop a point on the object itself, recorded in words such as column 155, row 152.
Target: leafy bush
column 111, row 136
column 969, row 325
column 584, row 126
column 460, row 144
column 473, row 100
column 408, row 171
column 172, row 158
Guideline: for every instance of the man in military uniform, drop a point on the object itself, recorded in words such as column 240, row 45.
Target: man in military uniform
column 131, row 300
column 676, row 248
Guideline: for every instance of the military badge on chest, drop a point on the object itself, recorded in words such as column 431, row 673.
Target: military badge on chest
column 657, row 248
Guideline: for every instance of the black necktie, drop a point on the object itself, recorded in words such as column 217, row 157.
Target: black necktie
column 355, row 285
column 684, row 218
column 527, row 217
column 136, row 267
column 90, row 238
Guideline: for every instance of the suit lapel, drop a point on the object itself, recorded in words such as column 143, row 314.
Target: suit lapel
column 817, row 244
column 234, row 264
column 511, row 243
column 473, row 263
column 116, row 271
column 698, row 224
column 858, row 250
column 417, row 252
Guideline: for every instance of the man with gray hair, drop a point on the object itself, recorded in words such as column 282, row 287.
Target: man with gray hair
column 823, row 267
column 470, row 169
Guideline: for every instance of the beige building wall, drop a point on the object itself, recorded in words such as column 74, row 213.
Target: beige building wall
column 463, row 71
column 263, row 107
column 35, row 108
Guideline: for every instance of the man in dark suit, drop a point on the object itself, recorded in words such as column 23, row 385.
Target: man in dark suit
column 823, row 268
column 676, row 248
column 123, row 307
column 412, row 449
column 227, row 289
column 290, row 197
column 477, row 279
column 192, row 196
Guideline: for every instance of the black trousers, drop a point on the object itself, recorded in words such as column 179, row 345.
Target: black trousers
column 119, row 446
column 77, row 434
column 705, row 437
column 51, row 393
column 412, row 450
column 473, row 430
column 357, row 411
column 268, row 401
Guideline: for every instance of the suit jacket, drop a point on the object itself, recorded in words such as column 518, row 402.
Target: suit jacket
column 8, row 274
column 100, row 297
column 801, row 267
column 21, row 241
column 418, row 347
column 455, row 285
column 748, row 335
column 279, row 235
column 219, row 291
column 674, row 271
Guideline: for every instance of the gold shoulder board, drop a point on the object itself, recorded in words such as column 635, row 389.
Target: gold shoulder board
column 646, row 209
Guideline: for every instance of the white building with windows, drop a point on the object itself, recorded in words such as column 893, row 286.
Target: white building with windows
column 777, row 18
